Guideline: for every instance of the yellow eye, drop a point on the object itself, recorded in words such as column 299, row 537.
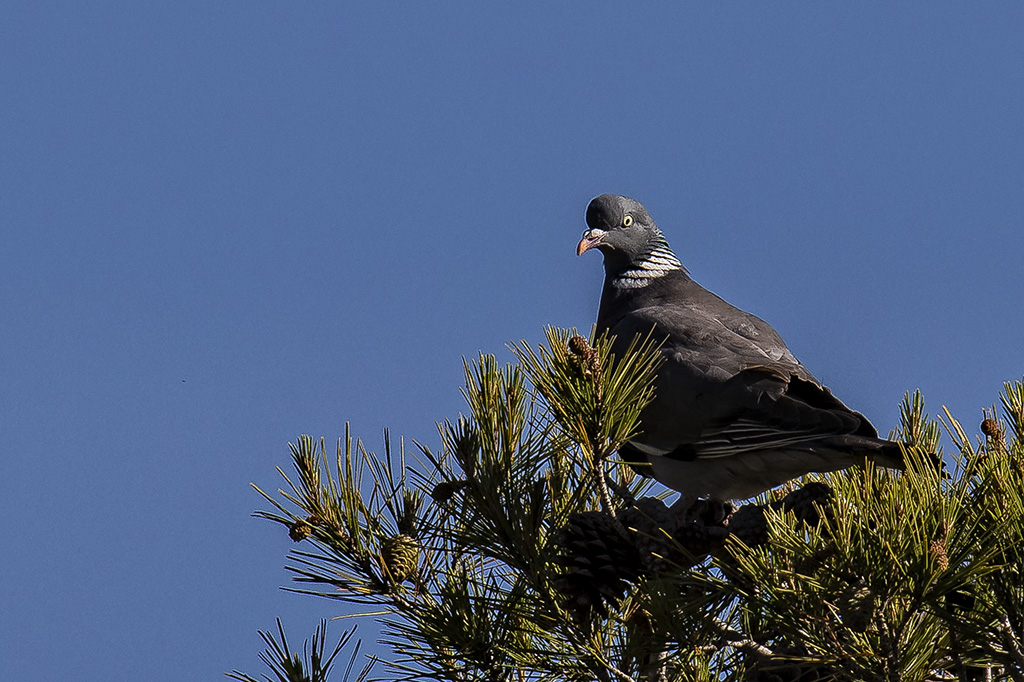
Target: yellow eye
column 627, row 221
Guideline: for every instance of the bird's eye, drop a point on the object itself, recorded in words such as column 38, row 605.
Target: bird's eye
column 627, row 221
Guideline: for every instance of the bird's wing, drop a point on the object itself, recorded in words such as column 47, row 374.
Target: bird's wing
column 729, row 385
column 760, row 410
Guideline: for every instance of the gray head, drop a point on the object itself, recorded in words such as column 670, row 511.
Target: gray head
column 635, row 250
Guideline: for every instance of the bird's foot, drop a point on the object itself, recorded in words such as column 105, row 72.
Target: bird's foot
column 708, row 512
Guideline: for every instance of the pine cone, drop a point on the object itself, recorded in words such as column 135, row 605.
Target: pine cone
column 695, row 539
column 445, row 490
column 808, row 503
column 937, row 549
column 299, row 530
column 578, row 345
column 990, row 427
column 588, row 358
column 995, row 439
column 600, row 564
column 652, row 526
column 401, row 556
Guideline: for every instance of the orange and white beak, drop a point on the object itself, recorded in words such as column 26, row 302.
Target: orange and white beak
column 591, row 238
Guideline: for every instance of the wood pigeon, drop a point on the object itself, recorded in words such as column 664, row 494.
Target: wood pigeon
column 734, row 412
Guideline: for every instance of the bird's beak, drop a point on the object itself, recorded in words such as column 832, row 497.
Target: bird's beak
column 591, row 238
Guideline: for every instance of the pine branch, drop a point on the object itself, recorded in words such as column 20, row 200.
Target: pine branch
column 469, row 550
column 312, row 665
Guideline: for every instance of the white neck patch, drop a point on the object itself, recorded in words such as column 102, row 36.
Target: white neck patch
column 655, row 264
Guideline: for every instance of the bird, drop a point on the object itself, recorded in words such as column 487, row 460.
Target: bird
column 734, row 412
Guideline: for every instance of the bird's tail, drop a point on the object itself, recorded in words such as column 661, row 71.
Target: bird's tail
column 884, row 453
column 888, row 454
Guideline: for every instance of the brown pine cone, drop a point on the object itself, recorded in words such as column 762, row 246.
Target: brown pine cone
column 299, row 530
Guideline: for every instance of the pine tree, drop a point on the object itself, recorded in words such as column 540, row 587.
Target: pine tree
column 523, row 549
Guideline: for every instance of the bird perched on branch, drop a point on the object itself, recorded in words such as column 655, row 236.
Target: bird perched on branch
column 734, row 412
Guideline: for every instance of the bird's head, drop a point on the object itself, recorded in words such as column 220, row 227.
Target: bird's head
column 620, row 228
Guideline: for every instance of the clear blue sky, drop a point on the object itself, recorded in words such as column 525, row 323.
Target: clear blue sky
column 226, row 224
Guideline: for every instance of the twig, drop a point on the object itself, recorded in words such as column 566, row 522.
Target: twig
column 601, row 472
column 658, row 674
column 888, row 643
column 1013, row 647
column 738, row 641
column 618, row 673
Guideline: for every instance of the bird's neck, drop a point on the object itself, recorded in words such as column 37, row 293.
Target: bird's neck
column 657, row 261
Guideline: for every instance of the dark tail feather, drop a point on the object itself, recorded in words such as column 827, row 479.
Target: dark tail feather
column 889, row 454
column 884, row 453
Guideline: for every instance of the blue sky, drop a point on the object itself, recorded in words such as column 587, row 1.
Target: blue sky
column 226, row 224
